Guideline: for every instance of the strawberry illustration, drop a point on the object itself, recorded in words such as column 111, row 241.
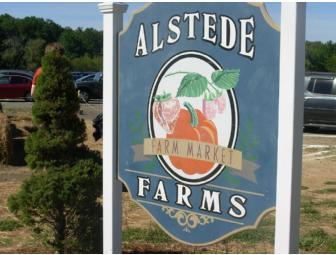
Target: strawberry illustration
column 166, row 110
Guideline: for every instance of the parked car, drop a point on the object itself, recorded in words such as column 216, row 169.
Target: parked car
column 90, row 87
column 26, row 73
column 320, row 100
column 78, row 75
column 15, row 84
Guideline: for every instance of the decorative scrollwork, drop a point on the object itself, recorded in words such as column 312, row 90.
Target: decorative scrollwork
column 187, row 220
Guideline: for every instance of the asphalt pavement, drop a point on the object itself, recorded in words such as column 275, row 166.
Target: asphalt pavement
column 88, row 110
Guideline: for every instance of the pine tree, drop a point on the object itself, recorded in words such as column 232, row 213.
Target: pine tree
column 60, row 130
column 60, row 199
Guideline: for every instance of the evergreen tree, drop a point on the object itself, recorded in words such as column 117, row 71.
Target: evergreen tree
column 60, row 199
column 55, row 110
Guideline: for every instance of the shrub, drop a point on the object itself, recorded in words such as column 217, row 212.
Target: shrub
column 60, row 199
column 63, row 202
column 60, row 131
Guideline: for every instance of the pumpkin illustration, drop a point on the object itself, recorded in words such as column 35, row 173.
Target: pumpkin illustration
column 192, row 125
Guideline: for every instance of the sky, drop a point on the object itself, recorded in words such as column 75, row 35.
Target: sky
column 320, row 17
column 65, row 14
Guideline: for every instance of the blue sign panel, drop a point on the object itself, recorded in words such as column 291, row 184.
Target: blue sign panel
column 198, row 116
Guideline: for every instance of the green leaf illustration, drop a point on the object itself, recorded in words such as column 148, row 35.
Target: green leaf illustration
column 192, row 85
column 225, row 79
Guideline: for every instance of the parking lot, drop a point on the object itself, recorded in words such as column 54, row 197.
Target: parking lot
column 88, row 110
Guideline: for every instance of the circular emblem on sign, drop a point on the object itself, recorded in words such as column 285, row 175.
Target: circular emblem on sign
column 193, row 116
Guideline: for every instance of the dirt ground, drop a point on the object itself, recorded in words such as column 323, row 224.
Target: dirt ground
column 318, row 187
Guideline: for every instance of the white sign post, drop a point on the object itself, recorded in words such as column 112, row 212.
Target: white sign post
column 291, row 95
column 112, row 189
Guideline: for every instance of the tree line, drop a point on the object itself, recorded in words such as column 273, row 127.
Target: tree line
column 22, row 43
column 321, row 56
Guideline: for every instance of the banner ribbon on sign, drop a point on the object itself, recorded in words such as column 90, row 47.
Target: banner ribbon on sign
column 191, row 149
column 197, row 150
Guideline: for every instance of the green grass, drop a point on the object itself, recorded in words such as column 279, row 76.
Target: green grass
column 5, row 242
column 328, row 203
column 264, row 232
column 314, row 239
column 317, row 240
column 9, row 225
column 152, row 235
column 330, row 183
column 326, row 191
column 331, row 217
column 261, row 234
column 307, row 207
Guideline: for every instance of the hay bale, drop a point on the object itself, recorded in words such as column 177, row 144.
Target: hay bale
column 5, row 139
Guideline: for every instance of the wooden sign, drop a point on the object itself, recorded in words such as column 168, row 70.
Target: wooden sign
column 198, row 116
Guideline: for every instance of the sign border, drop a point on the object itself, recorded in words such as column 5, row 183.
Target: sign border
column 274, row 26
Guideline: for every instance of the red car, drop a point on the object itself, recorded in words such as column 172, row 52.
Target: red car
column 15, row 84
